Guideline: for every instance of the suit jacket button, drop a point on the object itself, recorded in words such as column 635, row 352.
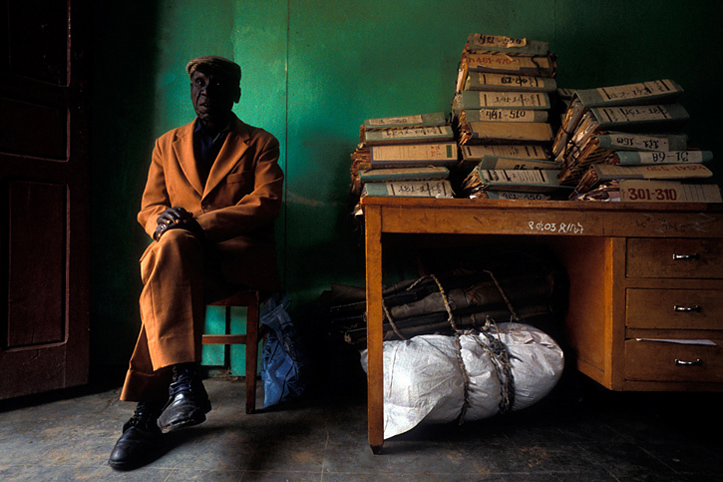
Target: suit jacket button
column 205, row 206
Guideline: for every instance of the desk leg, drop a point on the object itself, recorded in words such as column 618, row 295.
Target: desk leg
column 375, row 361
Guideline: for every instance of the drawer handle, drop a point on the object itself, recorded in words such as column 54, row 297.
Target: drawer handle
column 678, row 257
column 682, row 363
column 686, row 309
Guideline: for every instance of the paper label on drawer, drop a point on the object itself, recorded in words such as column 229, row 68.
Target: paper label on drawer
column 679, row 341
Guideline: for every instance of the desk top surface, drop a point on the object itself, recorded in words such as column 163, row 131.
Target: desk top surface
column 574, row 218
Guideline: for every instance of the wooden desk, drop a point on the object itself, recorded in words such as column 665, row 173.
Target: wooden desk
column 593, row 240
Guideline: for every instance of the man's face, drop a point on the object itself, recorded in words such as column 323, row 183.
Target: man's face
column 213, row 95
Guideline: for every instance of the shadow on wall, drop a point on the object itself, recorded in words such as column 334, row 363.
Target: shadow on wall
column 124, row 59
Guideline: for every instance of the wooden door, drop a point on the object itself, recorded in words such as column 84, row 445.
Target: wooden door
column 44, row 245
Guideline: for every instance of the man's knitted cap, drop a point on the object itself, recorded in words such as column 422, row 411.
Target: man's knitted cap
column 217, row 64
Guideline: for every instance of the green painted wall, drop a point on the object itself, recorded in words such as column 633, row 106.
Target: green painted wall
column 312, row 72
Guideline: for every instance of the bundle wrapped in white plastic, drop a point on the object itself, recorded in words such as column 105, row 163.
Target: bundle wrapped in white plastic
column 424, row 381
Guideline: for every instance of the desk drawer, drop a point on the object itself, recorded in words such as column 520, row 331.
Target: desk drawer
column 674, row 258
column 674, row 309
column 663, row 361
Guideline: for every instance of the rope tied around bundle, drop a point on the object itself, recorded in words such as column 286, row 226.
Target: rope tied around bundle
column 388, row 315
column 496, row 350
column 503, row 295
column 450, row 316
column 500, row 357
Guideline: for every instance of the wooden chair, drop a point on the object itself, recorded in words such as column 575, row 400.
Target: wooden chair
column 252, row 300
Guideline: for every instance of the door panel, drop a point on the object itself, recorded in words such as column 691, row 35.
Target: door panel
column 22, row 121
column 38, row 39
column 36, row 267
column 44, row 246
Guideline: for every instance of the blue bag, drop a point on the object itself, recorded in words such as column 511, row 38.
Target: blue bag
column 284, row 365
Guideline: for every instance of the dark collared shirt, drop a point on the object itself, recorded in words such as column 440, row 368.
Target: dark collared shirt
column 206, row 148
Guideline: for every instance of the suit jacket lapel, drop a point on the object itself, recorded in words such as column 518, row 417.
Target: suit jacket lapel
column 183, row 150
column 233, row 148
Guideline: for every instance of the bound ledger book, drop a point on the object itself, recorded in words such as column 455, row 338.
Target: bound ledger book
column 502, row 115
column 505, row 132
column 415, row 120
column 475, row 153
column 508, row 83
column 657, row 91
column 504, row 63
column 641, row 142
column 404, row 174
column 472, row 154
column 633, row 158
column 407, row 135
column 510, row 195
column 667, row 191
column 509, row 45
column 512, row 163
column 473, row 100
column 634, row 190
column 600, row 173
column 538, row 181
column 637, row 115
column 437, row 154
column 433, row 188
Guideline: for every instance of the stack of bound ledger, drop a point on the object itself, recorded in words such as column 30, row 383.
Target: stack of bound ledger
column 501, row 112
column 503, row 90
column 405, row 156
column 624, row 143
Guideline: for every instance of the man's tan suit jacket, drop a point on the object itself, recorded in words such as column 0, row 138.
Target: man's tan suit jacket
column 237, row 206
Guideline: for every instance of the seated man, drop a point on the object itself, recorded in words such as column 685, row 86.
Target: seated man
column 213, row 193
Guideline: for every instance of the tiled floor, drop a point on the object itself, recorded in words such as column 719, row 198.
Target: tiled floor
column 573, row 435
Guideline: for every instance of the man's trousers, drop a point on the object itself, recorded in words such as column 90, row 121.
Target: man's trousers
column 172, row 309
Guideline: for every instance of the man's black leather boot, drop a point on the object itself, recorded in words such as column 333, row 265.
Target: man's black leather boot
column 141, row 442
column 188, row 401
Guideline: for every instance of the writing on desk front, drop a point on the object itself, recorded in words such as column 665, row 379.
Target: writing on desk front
column 565, row 228
column 700, row 223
